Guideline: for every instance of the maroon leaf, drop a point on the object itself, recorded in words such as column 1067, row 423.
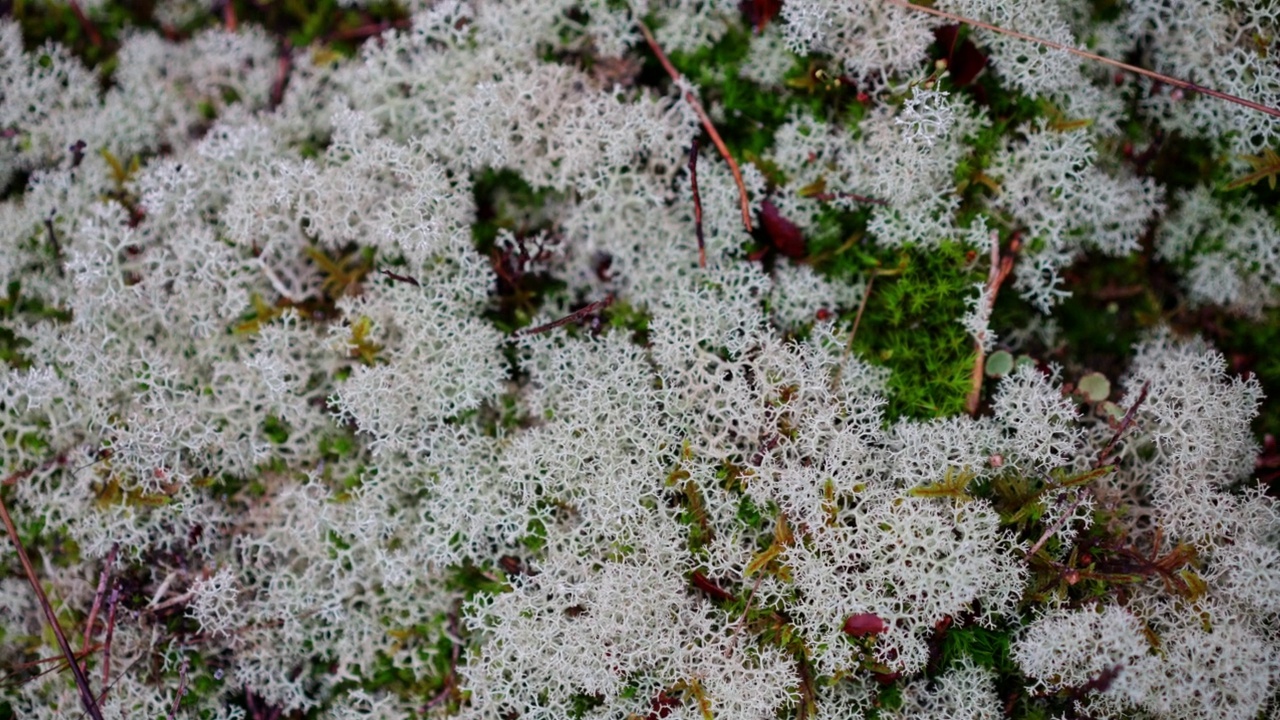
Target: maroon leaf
column 760, row 12
column 964, row 59
column 703, row 583
column 864, row 624
column 783, row 233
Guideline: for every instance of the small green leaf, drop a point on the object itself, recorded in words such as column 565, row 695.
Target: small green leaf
column 999, row 364
column 1112, row 410
column 1095, row 387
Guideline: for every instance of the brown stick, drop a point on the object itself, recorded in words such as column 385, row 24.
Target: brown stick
column 1125, row 424
column 402, row 278
column 733, row 632
column 53, row 240
column 576, row 314
column 97, row 599
column 111, row 631
column 182, row 684
column 706, row 123
column 82, row 682
column 1185, row 85
column 86, row 24
column 1000, row 268
column 697, row 203
column 229, row 19
column 284, row 64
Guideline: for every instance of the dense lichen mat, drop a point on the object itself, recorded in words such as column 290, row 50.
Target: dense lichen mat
column 637, row 360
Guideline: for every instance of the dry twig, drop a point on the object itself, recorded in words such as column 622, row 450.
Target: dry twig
column 82, row 682
column 111, row 631
column 401, row 278
column 697, row 203
column 1185, row 85
column 706, row 123
column 575, row 315
column 1000, row 268
column 1102, row 460
column 97, row 599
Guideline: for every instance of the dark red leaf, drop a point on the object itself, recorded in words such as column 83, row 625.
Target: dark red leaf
column 964, row 59
column 661, row 706
column 864, row 624
column 703, row 583
column 784, row 234
column 760, row 12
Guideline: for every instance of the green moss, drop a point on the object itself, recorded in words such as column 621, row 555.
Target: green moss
column 987, row 648
column 911, row 326
column 752, row 113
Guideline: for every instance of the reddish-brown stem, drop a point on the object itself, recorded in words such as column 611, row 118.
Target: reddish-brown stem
column 229, row 18
column 705, row 584
column 97, row 599
column 87, row 25
column 1124, row 425
column 575, row 315
column 692, row 99
column 111, row 631
column 1000, row 268
column 53, row 241
column 82, row 682
column 697, row 203
column 182, row 682
column 283, row 66
column 857, row 320
column 742, row 620
column 1102, row 460
column 368, row 30
column 1185, row 85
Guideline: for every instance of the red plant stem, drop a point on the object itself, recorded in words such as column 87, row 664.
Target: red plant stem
column 575, row 315
column 182, row 685
column 1125, row 424
column 1185, row 85
column 1000, row 268
column 97, row 599
column 229, row 16
column 111, row 631
column 367, row 30
column 733, row 632
column 857, row 320
column 82, row 682
column 89, row 28
column 705, row 584
column 706, row 123
column 697, row 203
column 283, row 66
